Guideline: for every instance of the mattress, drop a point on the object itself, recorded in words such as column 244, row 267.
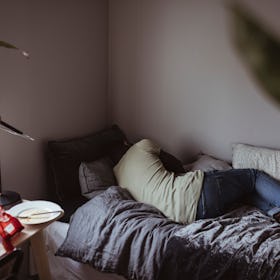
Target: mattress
column 66, row 268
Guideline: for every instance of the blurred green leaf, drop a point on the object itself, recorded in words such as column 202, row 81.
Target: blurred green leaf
column 7, row 45
column 259, row 48
column 10, row 46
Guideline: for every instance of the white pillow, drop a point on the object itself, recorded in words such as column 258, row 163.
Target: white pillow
column 246, row 156
column 207, row 163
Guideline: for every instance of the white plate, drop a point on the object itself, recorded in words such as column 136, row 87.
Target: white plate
column 37, row 206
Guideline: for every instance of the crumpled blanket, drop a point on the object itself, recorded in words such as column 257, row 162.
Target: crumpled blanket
column 114, row 233
column 243, row 244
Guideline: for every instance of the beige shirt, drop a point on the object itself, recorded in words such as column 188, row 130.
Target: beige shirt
column 142, row 173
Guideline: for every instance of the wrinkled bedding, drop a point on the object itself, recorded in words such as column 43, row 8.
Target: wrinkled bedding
column 243, row 244
column 114, row 233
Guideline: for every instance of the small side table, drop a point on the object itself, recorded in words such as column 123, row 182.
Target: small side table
column 35, row 235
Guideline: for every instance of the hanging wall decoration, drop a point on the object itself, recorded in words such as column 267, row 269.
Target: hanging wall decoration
column 259, row 49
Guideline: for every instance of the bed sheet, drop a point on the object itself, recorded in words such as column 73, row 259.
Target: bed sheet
column 66, row 268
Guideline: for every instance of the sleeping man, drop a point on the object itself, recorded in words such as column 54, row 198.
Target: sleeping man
column 193, row 195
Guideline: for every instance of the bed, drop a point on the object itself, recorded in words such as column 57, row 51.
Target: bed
column 121, row 236
column 66, row 268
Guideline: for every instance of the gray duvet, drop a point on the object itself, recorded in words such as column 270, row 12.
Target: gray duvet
column 241, row 245
column 114, row 233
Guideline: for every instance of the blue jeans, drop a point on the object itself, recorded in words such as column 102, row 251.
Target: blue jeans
column 225, row 190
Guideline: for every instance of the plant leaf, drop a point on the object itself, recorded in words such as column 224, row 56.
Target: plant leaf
column 7, row 45
column 10, row 46
column 259, row 48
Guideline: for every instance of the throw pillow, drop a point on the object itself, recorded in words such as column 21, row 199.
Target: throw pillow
column 207, row 163
column 265, row 159
column 66, row 156
column 95, row 177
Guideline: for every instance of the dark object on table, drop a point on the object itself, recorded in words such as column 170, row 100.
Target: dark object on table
column 9, row 199
column 10, row 264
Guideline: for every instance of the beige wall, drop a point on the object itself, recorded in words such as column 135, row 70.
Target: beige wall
column 60, row 92
column 176, row 77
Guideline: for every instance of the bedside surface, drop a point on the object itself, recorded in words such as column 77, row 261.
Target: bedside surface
column 34, row 234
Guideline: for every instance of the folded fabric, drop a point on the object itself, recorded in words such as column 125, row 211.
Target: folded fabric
column 114, row 233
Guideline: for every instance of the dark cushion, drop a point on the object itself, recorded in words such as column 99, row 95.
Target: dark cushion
column 70, row 205
column 66, row 156
column 96, row 176
column 171, row 163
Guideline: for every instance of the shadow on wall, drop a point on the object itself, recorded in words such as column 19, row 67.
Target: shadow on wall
column 259, row 48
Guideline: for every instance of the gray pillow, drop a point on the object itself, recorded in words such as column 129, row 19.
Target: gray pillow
column 207, row 163
column 96, row 176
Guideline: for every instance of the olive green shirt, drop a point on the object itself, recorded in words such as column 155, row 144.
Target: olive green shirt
column 142, row 173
